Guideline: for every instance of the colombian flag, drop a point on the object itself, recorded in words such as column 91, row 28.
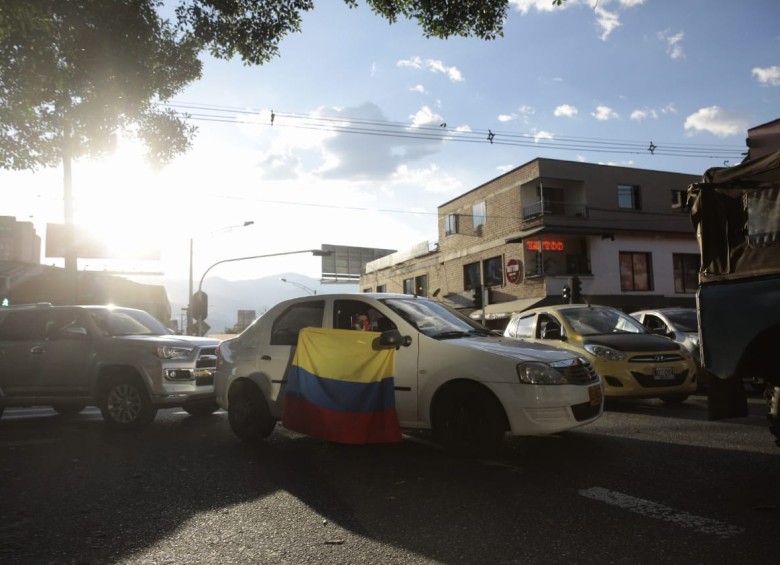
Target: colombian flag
column 340, row 389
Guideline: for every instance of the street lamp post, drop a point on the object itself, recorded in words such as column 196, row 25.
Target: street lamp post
column 315, row 252
column 190, row 325
column 301, row 286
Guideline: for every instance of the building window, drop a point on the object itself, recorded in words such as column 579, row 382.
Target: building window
column 451, row 224
column 493, row 270
column 635, row 271
column 479, row 214
column 471, row 278
column 679, row 200
column 628, row 197
column 421, row 285
column 381, row 288
column 408, row 286
column 686, row 272
column 367, row 289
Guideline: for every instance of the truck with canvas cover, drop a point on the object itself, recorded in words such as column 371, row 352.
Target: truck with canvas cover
column 736, row 215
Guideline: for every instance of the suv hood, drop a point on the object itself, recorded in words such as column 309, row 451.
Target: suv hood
column 632, row 342
column 516, row 348
column 172, row 340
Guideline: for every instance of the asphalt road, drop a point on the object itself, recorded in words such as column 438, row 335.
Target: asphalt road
column 647, row 483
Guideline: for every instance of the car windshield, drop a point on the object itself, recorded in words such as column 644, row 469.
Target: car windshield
column 435, row 319
column 684, row 320
column 127, row 322
column 599, row 320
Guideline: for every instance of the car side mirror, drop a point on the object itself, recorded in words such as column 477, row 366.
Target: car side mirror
column 392, row 338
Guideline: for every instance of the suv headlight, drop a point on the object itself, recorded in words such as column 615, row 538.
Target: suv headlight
column 605, row 352
column 168, row 352
column 533, row 373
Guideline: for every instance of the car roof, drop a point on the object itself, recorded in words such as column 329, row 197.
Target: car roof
column 664, row 310
column 557, row 307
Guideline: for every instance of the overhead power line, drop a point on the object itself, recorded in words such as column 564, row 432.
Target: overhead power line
column 441, row 133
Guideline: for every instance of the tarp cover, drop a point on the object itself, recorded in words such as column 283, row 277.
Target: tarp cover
column 736, row 214
column 341, row 389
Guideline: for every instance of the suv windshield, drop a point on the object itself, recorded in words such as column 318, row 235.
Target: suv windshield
column 114, row 322
column 596, row 321
column 435, row 319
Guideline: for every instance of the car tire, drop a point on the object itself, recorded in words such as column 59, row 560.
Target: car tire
column 248, row 413
column 673, row 399
column 200, row 409
column 68, row 410
column 125, row 404
column 772, row 395
column 468, row 420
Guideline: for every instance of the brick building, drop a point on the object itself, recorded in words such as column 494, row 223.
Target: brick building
column 518, row 239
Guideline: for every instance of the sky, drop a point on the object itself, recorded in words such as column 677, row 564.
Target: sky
column 360, row 129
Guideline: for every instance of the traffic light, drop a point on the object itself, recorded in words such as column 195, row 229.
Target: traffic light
column 478, row 297
column 576, row 286
column 200, row 305
column 566, row 293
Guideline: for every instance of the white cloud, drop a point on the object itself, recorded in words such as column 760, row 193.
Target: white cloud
column 506, row 117
column 526, row 110
column 607, row 21
column 542, row 135
column 645, row 113
column 432, row 179
column 673, row 43
column 767, row 75
column 433, row 65
column 523, row 6
column 425, row 117
column 717, row 121
column 565, row 110
column 418, row 88
column 604, row 113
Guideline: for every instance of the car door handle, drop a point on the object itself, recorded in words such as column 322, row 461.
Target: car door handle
column 265, row 357
column 37, row 350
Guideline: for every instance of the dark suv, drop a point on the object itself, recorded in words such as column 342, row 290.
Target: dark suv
column 120, row 359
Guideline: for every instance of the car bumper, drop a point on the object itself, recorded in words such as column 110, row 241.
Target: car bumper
column 547, row 409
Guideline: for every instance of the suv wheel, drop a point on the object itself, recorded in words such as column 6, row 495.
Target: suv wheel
column 68, row 409
column 248, row 413
column 126, row 405
column 468, row 420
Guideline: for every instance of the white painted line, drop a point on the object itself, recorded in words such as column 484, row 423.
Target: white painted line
column 661, row 512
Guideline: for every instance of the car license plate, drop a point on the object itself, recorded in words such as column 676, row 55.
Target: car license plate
column 595, row 394
column 663, row 374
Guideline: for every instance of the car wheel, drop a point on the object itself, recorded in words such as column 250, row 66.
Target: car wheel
column 200, row 409
column 125, row 404
column 68, row 409
column 248, row 413
column 675, row 398
column 468, row 420
column 773, row 403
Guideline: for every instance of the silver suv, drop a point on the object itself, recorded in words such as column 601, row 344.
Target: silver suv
column 120, row 359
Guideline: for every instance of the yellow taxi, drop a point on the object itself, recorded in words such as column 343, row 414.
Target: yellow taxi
column 632, row 362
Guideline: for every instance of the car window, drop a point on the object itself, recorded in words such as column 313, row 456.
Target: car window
column 348, row 313
column 547, row 327
column 522, row 326
column 65, row 323
column 655, row 323
column 435, row 319
column 289, row 323
column 596, row 321
column 684, row 320
column 24, row 325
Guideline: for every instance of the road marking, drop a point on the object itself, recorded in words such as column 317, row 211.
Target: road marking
column 661, row 512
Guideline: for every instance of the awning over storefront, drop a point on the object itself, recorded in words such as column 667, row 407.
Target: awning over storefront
column 502, row 310
column 517, row 237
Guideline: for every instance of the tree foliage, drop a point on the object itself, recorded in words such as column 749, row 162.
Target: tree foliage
column 75, row 73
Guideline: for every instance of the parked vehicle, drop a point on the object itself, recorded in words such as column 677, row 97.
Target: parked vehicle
column 736, row 213
column 679, row 324
column 632, row 362
column 119, row 359
column 453, row 375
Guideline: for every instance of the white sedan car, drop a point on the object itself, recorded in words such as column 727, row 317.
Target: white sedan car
column 452, row 375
